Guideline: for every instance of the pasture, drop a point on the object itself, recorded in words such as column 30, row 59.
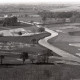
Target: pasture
column 39, row 72
column 13, row 69
column 68, row 39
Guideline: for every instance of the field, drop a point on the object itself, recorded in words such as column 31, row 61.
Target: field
column 24, row 39
column 33, row 49
column 35, row 19
column 13, row 67
column 39, row 72
column 66, row 41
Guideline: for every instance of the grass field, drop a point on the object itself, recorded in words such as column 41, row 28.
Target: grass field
column 21, row 26
column 39, row 72
column 35, row 19
column 64, row 39
column 65, row 46
column 76, row 33
column 24, row 39
column 34, row 49
column 12, row 69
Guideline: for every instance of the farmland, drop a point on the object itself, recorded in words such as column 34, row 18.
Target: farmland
column 39, row 72
column 67, row 41
column 13, row 67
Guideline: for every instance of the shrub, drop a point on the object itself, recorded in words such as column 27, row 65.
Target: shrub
column 24, row 56
column 41, row 29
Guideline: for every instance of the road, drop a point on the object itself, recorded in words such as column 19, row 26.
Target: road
column 65, row 55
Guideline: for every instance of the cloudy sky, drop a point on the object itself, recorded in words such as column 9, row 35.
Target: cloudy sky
column 39, row 1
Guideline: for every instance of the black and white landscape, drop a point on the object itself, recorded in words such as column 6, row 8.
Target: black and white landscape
column 40, row 41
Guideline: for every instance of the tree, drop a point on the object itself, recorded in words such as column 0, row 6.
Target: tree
column 34, row 41
column 62, row 14
column 32, row 58
column 26, row 15
column 41, row 29
column 43, row 15
column 44, row 18
column 20, row 33
column 46, row 54
column 2, row 57
column 1, row 35
column 10, row 21
column 31, row 21
column 14, row 21
column 24, row 56
column 44, row 58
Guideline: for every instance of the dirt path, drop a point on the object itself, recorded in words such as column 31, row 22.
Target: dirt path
column 64, row 54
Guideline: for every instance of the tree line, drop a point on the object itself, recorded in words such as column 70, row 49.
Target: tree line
column 47, row 14
column 10, row 21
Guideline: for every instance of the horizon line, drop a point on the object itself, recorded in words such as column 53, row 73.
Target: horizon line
column 41, row 3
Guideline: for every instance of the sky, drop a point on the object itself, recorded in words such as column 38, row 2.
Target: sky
column 38, row 1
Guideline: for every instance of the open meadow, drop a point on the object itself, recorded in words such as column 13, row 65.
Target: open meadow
column 39, row 72
column 68, row 39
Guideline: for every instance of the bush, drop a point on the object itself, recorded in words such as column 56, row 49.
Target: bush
column 71, row 33
column 24, row 56
column 2, row 57
column 1, row 35
column 20, row 33
column 41, row 29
